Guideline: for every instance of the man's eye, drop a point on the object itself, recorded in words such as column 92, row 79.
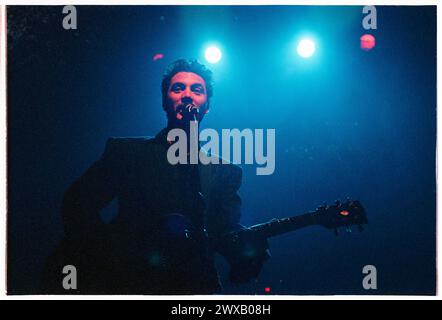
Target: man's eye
column 198, row 91
column 177, row 89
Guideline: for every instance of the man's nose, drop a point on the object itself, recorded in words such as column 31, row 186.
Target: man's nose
column 186, row 99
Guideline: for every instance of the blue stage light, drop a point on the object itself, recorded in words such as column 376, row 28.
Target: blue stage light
column 213, row 54
column 306, row 48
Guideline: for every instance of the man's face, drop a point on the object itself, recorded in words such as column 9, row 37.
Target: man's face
column 185, row 88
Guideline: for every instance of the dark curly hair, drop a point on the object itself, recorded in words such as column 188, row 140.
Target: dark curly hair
column 185, row 65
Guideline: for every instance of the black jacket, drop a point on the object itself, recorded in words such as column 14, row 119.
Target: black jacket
column 120, row 257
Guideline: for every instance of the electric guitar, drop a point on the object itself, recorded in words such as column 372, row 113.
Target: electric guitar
column 247, row 247
column 333, row 216
column 175, row 234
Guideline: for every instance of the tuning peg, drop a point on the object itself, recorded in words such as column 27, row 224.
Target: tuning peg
column 336, row 232
column 360, row 227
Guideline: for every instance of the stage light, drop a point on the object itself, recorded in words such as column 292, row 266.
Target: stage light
column 306, row 48
column 367, row 42
column 158, row 56
column 213, row 54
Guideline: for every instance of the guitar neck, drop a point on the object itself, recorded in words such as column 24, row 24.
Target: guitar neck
column 280, row 226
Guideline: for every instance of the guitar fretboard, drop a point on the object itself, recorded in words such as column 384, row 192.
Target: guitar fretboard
column 280, row 226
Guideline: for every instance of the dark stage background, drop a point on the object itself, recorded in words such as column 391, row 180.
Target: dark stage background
column 348, row 123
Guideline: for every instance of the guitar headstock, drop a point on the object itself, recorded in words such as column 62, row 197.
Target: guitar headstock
column 341, row 214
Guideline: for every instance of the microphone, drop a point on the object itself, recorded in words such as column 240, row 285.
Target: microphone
column 188, row 111
column 193, row 111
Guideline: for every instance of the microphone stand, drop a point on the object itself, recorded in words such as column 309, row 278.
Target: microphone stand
column 195, row 183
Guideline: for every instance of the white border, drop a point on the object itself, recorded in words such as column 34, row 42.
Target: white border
column 438, row 158
column 221, row 2
column 3, row 146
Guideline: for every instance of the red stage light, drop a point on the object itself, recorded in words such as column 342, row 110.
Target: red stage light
column 367, row 42
column 344, row 213
column 267, row 289
column 158, row 56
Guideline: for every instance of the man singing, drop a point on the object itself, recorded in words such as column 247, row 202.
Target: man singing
column 171, row 218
